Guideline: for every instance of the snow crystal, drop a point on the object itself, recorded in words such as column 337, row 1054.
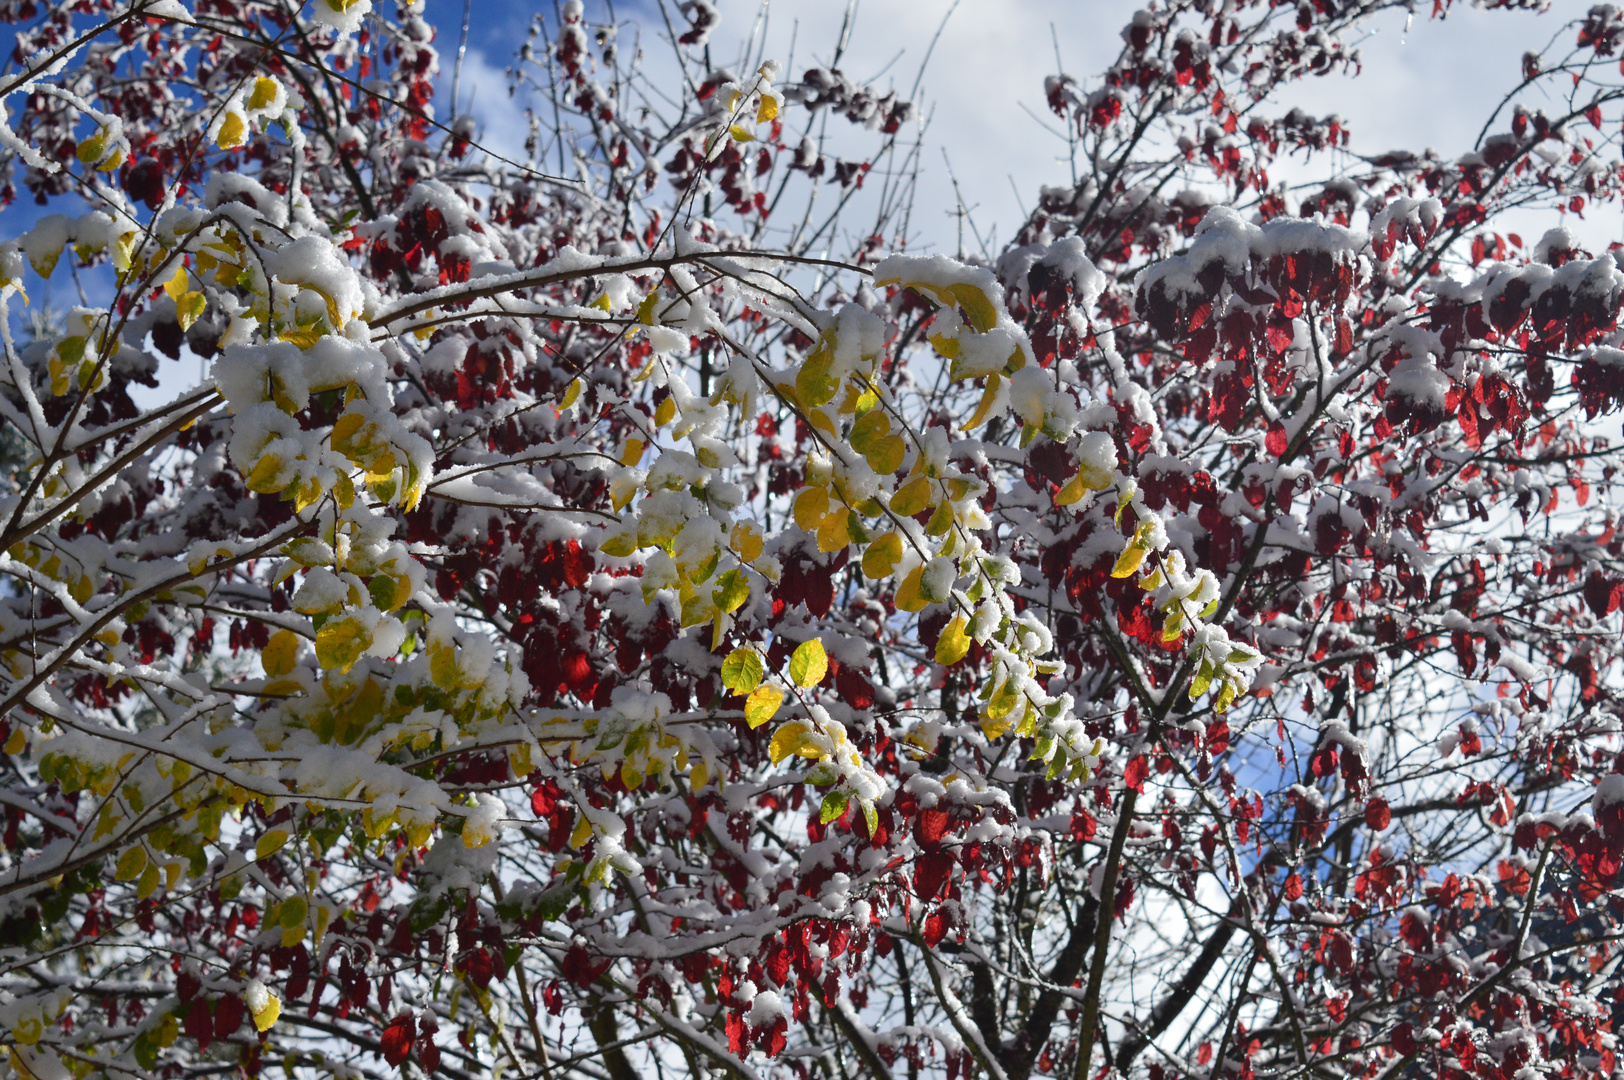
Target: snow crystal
column 345, row 20
column 767, row 1008
column 938, row 578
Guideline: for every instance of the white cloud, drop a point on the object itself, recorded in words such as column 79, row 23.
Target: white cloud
column 1425, row 83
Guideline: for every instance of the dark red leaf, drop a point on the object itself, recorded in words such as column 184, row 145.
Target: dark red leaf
column 397, row 1038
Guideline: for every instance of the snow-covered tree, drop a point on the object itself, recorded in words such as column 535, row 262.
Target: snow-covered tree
column 624, row 609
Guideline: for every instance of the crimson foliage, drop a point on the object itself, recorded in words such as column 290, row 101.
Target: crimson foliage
column 580, row 627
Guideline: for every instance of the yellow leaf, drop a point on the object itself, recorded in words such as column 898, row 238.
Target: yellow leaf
column 130, row 864
column 834, row 533
column 177, row 284
column 747, row 542
column 633, row 453
column 941, row 521
column 149, row 881
column 123, row 252
column 811, row 505
column 91, row 150
column 787, row 740
column 767, row 110
column 340, row 644
column 912, row 497
column 417, row 832
column 1094, row 478
column 948, row 346
column 699, row 775
column 732, row 590
column 189, row 309
column 1202, row 680
column 267, row 1011
column 1128, row 562
column 443, row 667
column 270, row 843
column 742, row 670
column 1072, row 492
column 978, row 307
column 871, row 427
column 582, row 832
column 741, row 133
column 265, row 89
column 954, row 644
column 381, row 467
column 996, row 729
column 1003, row 701
column 233, row 132
column 988, row 396
column 619, row 544
column 909, row 597
column 266, row 476
column 886, row 455
column 630, row 776
column 293, row 912
column 813, row 384
column 278, row 655
column 345, row 433
column 762, row 705
column 572, row 394
column 665, row 412
column 809, row 664
column 645, row 310
column 17, row 741
column 603, row 303
column 882, row 555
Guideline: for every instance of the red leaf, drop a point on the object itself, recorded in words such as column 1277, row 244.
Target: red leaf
column 738, row 1034
column 398, row 1037
column 1324, row 760
column 1377, row 815
column 480, row 967
column 1082, row 825
column 1599, row 594
column 228, row 1016
column 771, row 1042
column 930, row 874
column 1134, row 775
column 1275, row 440
column 199, row 1024
column 932, row 824
column 778, row 962
column 1415, row 930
